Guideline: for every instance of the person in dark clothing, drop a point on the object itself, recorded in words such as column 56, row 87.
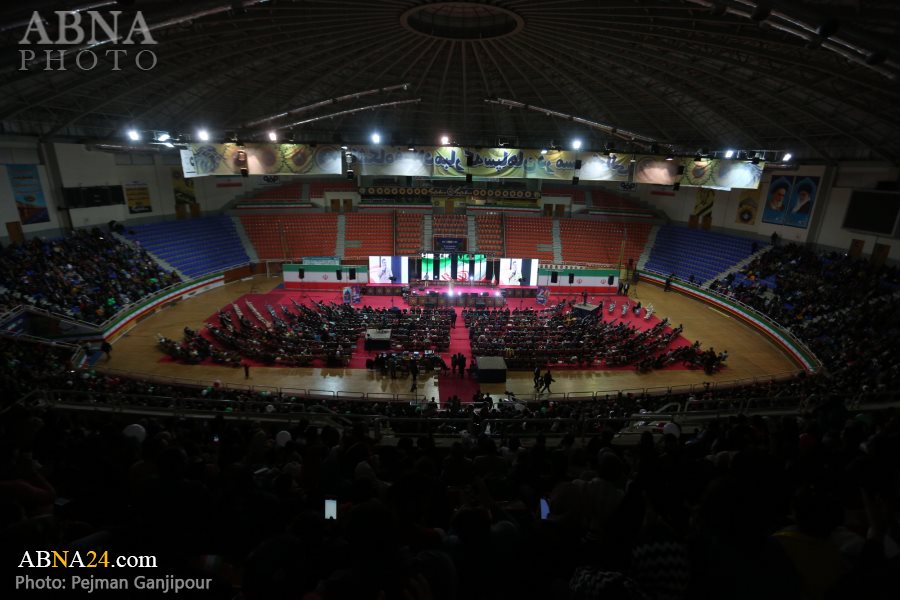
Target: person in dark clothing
column 453, row 320
column 548, row 379
column 414, row 374
column 668, row 285
column 453, row 361
column 584, row 297
column 246, row 370
column 462, row 365
column 106, row 348
column 537, row 377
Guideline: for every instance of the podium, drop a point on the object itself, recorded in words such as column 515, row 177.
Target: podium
column 491, row 369
column 583, row 310
column 378, row 339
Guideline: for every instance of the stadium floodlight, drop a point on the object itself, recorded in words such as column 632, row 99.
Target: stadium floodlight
column 576, row 144
column 376, row 138
column 729, row 153
column 787, row 156
column 445, row 139
column 163, row 137
column 273, row 136
column 203, row 135
column 133, row 135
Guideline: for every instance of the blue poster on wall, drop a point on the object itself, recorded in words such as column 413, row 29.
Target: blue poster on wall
column 28, row 193
column 777, row 198
column 802, row 202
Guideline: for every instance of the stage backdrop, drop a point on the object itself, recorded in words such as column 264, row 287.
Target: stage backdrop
column 591, row 280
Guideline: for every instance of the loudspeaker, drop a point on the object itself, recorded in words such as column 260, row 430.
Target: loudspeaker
column 575, row 181
column 469, row 160
column 571, row 278
column 302, row 273
column 245, row 172
column 468, row 178
column 554, row 277
column 677, row 186
column 339, row 274
column 577, row 164
column 681, row 169
column 611, row 280
column 352, row 274
column 489, row 270
column 408, row 180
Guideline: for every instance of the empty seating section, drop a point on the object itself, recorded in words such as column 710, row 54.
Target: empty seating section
column 607, row 199
column 292, row 236
column 449, row 225
column 369, row 234
column 576, row 194
column 703, row 254
column 601, row 241
column 193, row 246
column 525, row 234
column 409, row 233
column 291, row 193
column 317, row 189
column 489, row 230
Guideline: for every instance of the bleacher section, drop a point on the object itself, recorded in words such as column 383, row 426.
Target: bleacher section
column 608, row 203
column 703, row 254
column 317, row 189
column 194, row 246
column 489, row 229
column 601, row 241
column 449, row 225
column 290, row 194
column 575, row 193
column 409, row 233
column 292, row 236
column 524, row 235
column 369, row 234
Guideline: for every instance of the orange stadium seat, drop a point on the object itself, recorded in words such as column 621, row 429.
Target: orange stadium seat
column 292, row 236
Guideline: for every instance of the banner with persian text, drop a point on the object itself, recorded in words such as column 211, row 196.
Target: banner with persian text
column 137, row 196
column 495, row 162
column 266, row 159
column 457, row 162
column 28, row 194
column 393, row 162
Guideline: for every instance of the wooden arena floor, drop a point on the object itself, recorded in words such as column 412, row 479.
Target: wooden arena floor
column 749, row 353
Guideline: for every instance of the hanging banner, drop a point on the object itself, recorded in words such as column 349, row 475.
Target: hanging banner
column 597, row 166
column 656, row 170
column 555, row 164
column 187, row 163
column 495, row 162
column 183, row 188
column 266, row 159
column 137, row 196
column 704, row 201
column 777, row 198
column 721, row 174
column 449, row 161
column 393, row 162
column 28, row 194
column 747, row 207
column 803, row 198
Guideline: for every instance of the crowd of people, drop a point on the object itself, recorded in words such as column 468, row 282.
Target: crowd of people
column 558, row 334
column 750, row 507
column 88, row 275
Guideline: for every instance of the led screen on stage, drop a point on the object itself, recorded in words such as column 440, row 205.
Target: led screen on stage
column 511, row 269
column 454, row 267
column 382, row 268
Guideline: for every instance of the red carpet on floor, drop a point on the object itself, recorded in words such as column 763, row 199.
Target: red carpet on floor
column 459, row 336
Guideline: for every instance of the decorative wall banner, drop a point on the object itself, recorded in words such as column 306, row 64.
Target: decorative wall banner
column 266, row 159
column 802, row 202
column 777, row 198
column 656, row 170
column 385, row 161
column 28, row 193
column 457, row 162
column 747, row 207
column 597, row 166
column 137, row 196
column 449, row 161
column 555, row 164
column 183, row 188
column 495, row 162
column 704, row 201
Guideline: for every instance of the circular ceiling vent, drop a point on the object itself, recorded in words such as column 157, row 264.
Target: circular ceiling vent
column 462, row 21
